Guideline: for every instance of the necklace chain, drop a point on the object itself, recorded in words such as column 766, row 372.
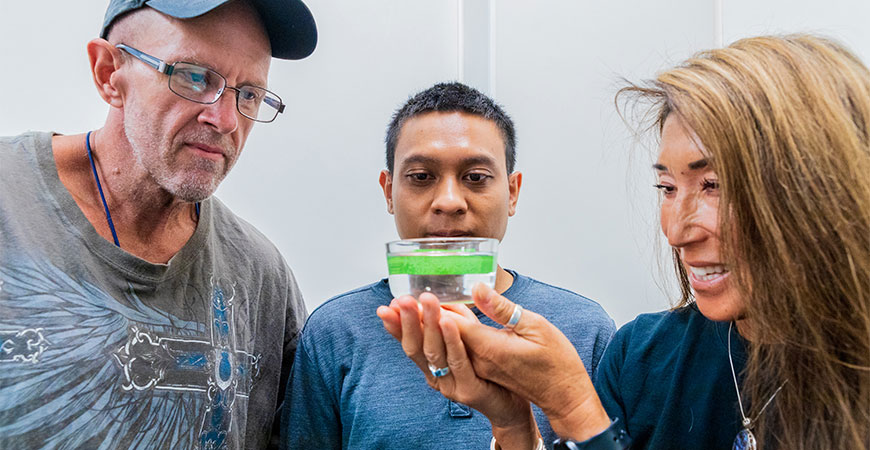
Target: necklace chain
column 100, row 188
column 746, row 421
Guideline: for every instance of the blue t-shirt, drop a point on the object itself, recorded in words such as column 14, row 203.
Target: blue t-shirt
column 352, row 386
column 666, row 376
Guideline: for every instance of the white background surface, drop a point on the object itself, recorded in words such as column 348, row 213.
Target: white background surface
column 586, row 217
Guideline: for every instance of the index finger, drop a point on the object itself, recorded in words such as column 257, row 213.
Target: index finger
column 392, row 321
column 460, row 309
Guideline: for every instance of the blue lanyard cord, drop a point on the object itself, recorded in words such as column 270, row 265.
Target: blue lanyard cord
column 100, row 188
column 103, row 197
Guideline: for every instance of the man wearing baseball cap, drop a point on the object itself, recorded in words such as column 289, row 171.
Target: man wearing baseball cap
column 136, row 310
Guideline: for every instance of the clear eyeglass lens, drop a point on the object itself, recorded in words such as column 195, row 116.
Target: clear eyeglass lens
column 258, row 103
column 250, row 98
column 196, row 83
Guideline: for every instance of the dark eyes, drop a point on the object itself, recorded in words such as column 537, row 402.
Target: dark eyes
column 473, row 178
column 664, row 188
column 711, row 186
column 477, row 177
column 249, row 95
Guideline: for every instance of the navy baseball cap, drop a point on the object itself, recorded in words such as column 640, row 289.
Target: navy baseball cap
column 289, row 24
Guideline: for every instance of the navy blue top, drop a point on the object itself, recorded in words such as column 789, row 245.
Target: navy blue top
column 666, row 376
column 352, row 386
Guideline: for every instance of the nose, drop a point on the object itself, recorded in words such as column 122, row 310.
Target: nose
column 680, row 221
column 222, row 115
column 449, row 198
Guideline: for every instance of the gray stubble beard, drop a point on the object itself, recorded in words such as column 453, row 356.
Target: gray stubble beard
column 176, row 183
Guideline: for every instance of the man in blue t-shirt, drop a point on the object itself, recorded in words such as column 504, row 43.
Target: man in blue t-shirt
column 450, row 172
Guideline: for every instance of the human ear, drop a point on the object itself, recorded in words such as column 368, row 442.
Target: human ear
column 386, row 181
column 105, row 60
column 515, row 182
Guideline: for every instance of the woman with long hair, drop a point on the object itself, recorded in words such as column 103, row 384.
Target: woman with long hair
column 764, row 173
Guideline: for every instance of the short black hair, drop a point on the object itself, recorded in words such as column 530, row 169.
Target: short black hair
column 451, row 97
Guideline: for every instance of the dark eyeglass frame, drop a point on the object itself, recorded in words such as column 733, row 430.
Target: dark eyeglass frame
column 167, row 69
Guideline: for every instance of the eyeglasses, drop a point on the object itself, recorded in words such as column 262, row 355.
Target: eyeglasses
column 203, row 85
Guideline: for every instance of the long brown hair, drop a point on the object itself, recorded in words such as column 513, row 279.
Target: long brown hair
column 786, row 123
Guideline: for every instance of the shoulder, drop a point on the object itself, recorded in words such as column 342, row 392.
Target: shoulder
column 653, row 334
column 30, row 139
column 24, row 148
column 228, row 222
column 349, row 311
column 347, row 325
column 661, row 323
column 25, row 161
column 560, row 305
column 547, row 294
column 238, row 235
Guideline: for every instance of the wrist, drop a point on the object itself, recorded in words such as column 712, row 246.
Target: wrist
column 581, row 421
column 614, row 437
column 522, row 435
column 493, row 445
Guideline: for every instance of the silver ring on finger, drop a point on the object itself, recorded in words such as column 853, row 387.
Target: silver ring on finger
column 515, row 317
column 438, row 372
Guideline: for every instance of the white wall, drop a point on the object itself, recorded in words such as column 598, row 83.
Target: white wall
column 844, row 20
column 586, row 218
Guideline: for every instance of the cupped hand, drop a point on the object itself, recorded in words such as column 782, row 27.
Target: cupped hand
column 536, row 361
column 429, row 334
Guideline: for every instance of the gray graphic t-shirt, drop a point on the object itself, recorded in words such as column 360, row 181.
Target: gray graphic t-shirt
column 101, row 349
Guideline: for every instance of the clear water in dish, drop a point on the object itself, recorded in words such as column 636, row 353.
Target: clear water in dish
column 448, row 288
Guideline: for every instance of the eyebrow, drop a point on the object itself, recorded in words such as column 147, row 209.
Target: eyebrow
column 694, row 165
column 418, row 159
column 474, row 160
column 479, row 160
column 699, row 164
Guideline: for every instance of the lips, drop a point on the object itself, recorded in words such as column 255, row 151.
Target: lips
column 708, row 273
column 207, row 148
column 707, row 278
column 448, row 233
column 207, row 151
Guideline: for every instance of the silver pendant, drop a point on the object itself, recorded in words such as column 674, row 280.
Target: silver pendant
column 745, row 440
